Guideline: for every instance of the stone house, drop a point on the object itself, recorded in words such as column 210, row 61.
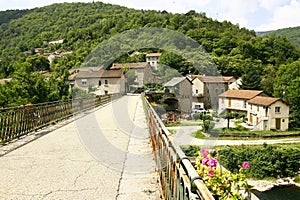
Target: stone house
column 182, row 88
column 101, row 80
column 263, row 112
column 152, row 59
column 205, row 90
column 142, row 71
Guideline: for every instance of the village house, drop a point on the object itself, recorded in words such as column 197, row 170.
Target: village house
column 205, row 89
column 182, row 88
column 142, row 71
column 263, row 112
column 101, row 80
column 4, row 80
column 267, row 113
column 236, row 100
column 152, row 59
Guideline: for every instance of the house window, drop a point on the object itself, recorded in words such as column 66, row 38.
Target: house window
column 83, row 82
column 266, row 112
column 277, row 109
column 250, row 106
column 229, row 102
column 105, row 81
column 197, row 107
column 216, row 90
column 222, row 90
column 196, row 91
column 106, row 92
column 222, row 100
column 99, row 83
column 245, row 104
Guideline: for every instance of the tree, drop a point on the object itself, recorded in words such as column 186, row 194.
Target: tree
column 232, row 115
column 38, row 62
column 287, row 87
column 251, row 80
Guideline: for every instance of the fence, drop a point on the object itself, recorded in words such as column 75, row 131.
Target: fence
column 18, row 121
column 178, row 177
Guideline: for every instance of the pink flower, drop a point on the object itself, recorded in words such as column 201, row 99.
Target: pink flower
column 204, row 152
column 205, row 160
column 245, row 165
column 212, row 162
column 210, row 174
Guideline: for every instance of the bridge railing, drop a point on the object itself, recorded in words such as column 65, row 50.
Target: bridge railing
column 178, row 177
column 18, row 121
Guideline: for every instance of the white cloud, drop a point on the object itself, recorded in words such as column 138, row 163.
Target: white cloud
column 283, row 17
column 270, row 5
column 236, row 11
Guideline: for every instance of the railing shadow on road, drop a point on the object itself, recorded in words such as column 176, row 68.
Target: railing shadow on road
column 178, row 177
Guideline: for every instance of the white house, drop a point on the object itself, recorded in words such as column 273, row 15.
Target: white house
column 236, row 100
column 152, row 59
column 267, row 113
column 263, row 112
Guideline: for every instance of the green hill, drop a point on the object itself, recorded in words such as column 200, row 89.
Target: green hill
column 236, row 51
column 292, row 34
column 84, row 25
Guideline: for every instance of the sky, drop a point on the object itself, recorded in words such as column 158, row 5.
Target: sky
column 258, row 15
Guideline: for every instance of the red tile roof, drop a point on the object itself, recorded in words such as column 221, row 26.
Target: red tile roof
column 130, row 65
column 214, row 79
column 264, row 101
column 116, row 73
column 241, row 94
column 153, row 55
column 5, row 80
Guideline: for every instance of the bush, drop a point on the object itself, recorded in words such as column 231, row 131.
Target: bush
column 265, row 161
column 206, row 124
column 197, row 116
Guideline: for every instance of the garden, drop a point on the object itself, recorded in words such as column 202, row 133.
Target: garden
column 227, row 169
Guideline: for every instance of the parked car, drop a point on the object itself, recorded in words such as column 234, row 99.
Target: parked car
column 200, row 110
column 150, row 90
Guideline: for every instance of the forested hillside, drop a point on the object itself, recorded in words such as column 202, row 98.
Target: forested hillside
column 292, row 34
column 236, row 51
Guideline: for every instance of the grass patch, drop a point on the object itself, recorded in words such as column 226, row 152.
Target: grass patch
column 297, row 179
column 172, row 131
column 185, row 123
column 199, row 134
column 241, row 131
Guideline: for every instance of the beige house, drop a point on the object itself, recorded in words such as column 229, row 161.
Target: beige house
column 142, row 71
column 267, row 113
column 101, row 80
column 236, row 100
column 111, row 82
column 182, row 88
column 263, row 112
column 207, row 88
column 152, row 59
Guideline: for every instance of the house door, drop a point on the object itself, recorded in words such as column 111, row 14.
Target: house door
column 278, row 123
column 251, row 119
